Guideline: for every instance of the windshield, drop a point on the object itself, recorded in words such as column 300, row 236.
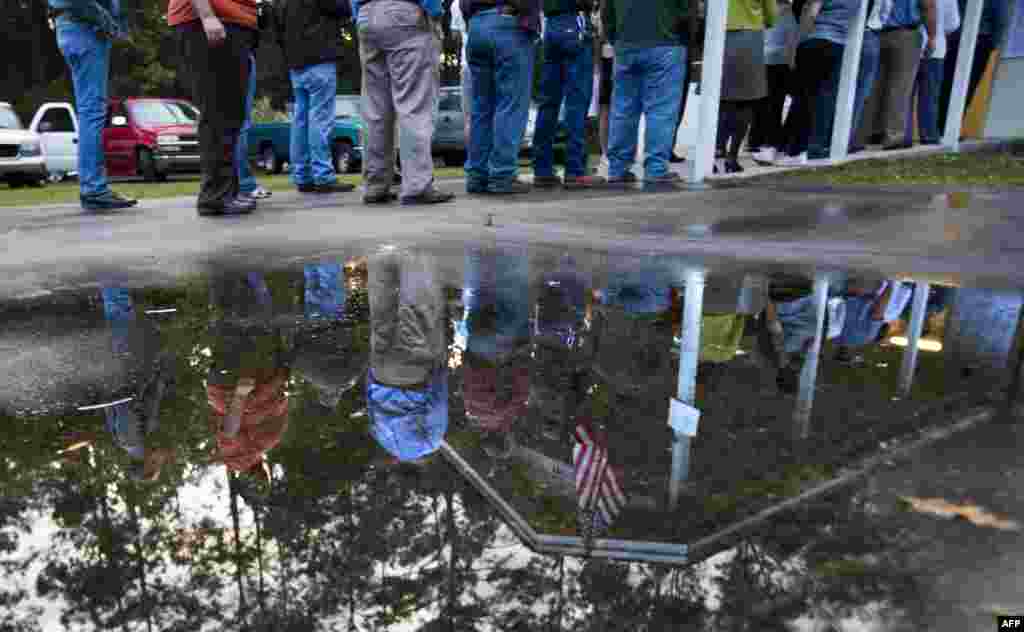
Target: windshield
column 164, row 113
column 347, row 107
column 9, row 120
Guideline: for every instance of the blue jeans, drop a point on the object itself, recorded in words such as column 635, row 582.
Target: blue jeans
column 927, row 86
column 315, row 89
column 647, row 81
column 870, row 58
column 496, row 299
column 568, row 73
column 246, row 180
column 501, row 58
column 88, row 57
column 324, row 291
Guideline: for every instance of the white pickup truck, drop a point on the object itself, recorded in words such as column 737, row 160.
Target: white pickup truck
column 57, row 127
column 21, row 153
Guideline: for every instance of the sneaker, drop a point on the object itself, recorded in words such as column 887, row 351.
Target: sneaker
column 107, row 201
column 430, row 196
column 584, row 182
column 515, row 187
column 379, row 197
column 236, row 206
column 855, row 149
column 677, row 159
column 627, row 180
column 670, row 178
column 765, row 156
column 897, row 146
column 259, row 193
column 791, row 161
column 546, row 182
column 327, row 189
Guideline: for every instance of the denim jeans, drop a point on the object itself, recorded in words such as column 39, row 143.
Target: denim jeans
column 496, row 299
column 501, row 56
column 870, row 57
column 818, row 66
column 648, row 81
column 88, row 57
column 315, row 89
column 568, row 74
column 246, row 180
column 926, row 94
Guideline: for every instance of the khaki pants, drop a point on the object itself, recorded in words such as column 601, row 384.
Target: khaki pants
column 886, row 111
column 400, row 52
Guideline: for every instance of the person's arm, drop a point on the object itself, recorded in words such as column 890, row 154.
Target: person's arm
column 931, row 23
column 952, row 18
column 810, row 15
column 212, row 26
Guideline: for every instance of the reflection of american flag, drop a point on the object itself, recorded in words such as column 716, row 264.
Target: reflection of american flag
column 598, row 489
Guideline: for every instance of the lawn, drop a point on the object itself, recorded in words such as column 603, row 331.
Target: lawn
column 67, row 192
column 984, row 168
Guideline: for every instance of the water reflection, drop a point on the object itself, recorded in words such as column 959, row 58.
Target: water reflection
column 481, row 441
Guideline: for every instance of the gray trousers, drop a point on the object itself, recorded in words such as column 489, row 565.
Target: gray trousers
column 886, row 111
column 407, row 311
column 401, row 59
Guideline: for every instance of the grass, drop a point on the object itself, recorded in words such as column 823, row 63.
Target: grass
column 67, row 192
column 986, row 168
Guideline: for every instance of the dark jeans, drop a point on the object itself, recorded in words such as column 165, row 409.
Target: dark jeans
column 981, row 56
column 682, row 105
column 219, row 80
column 767, row 128
column 809, row 126
column 870, row 56
column 926, row 94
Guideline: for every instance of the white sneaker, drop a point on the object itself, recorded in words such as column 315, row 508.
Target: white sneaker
column 259, row 193
column 765, row 156
column 791, row 161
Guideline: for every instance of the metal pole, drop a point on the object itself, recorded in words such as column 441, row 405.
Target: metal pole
column 917, row 314
column 710, row 91
column 964, row 62
column 809, row 374
column 689, row 353
column 847, row 97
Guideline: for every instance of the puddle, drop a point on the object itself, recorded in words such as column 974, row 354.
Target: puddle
column 476, row 439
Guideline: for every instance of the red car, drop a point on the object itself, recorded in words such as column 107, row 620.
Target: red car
column 151, row 137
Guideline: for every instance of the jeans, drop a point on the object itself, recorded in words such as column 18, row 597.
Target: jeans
column 568, row 73
column 315, row 89
column 496, row 299
column 982, row 53
column 926, row 90
column 648, row 81
column 246, row 180
column 818, row 67
column 501, row 56
column 870, row 57
column 88, row 57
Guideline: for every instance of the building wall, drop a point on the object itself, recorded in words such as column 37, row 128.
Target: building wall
column 1004, row 118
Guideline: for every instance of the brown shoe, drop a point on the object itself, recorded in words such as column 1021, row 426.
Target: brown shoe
column 584, row 182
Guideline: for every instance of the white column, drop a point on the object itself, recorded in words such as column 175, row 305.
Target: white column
column 847, row 96
column 809, row 374
column 964, row 62
column 710, row 91
column 686, row 392
column 917, row 313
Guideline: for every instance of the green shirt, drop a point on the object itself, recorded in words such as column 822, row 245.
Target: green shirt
column 645, row 22
column 752, row 15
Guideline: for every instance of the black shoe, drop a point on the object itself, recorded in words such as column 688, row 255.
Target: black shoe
column 430, row 196
column 855, row 149
column 236, row 206
column 677, row 159
column 380, row 197
column 876, row 139
column 515, row 187
column 897, row 146
column 327, row 189
column 108, row 201
column 733, row 166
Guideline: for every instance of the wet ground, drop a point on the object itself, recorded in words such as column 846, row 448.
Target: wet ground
column 400, row 423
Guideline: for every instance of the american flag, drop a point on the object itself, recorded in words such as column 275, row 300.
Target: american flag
column 598, row 487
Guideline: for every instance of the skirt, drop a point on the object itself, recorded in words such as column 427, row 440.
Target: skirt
column 744, row 77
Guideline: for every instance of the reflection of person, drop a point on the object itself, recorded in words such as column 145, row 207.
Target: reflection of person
column 869, row 309
column 247, row 382
column 407, row 383
column 790, row 326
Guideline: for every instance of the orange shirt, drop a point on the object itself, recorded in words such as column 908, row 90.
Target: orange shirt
column 264, row 421
column 240, row 12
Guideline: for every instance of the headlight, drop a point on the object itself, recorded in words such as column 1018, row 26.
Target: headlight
column 30, row 149
column 169, row 139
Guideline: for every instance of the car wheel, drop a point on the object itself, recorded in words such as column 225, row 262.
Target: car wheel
column 16, row 182
column 268, row 160
column 343, row 162
column 147, row 167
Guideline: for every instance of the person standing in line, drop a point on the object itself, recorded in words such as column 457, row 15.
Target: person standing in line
column 899, row 23
column 650, row 59
column 248, row 187
column 928, row 83
column 502, row 34
column 744, row 79
column 696, row 11
column 870, row 58
column 215, row 39
column 85, row 32
column 779, row 55
column 605, row 59
column 310, row 35
column 567, row 76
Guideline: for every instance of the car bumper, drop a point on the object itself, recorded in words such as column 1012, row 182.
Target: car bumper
column 170, row 161
column 35, row 166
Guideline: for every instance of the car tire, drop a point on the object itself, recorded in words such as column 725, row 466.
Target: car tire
column 342, row 155
column 16, row 182
column 147, row 166
column 269, row 161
